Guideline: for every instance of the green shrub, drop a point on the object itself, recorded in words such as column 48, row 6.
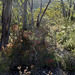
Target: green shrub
column 4, row 64
column 22, row 51
column 69, row 61
column 45, row 57
column 69, row 44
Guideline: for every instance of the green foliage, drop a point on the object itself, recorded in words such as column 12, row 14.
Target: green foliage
column 20, row 50
column 25, row 47
column 0, row 11
column 53, row 13
column 64, row 38
column 4, row 64
column 45, row 21
column 69, row 60
column 69, row 45
column 44, row 57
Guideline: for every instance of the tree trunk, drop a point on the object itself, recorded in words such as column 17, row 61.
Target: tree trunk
column 69, row 13
column 74, row 5
column 6, row 19
column 63, row 9
column 39, row 13
column 31, row 10
column 25, row 15
column 38, row 23
column 32, row 20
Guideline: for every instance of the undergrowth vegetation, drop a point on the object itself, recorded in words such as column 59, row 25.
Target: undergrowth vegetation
column 23, row 50
column 49, row 46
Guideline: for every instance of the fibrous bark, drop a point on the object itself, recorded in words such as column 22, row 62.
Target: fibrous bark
column 6, row 19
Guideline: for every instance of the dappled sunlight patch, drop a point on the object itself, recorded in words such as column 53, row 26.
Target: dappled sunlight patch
column 9, row 45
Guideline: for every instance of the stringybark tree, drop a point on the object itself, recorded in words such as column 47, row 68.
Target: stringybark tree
column 6, row 19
